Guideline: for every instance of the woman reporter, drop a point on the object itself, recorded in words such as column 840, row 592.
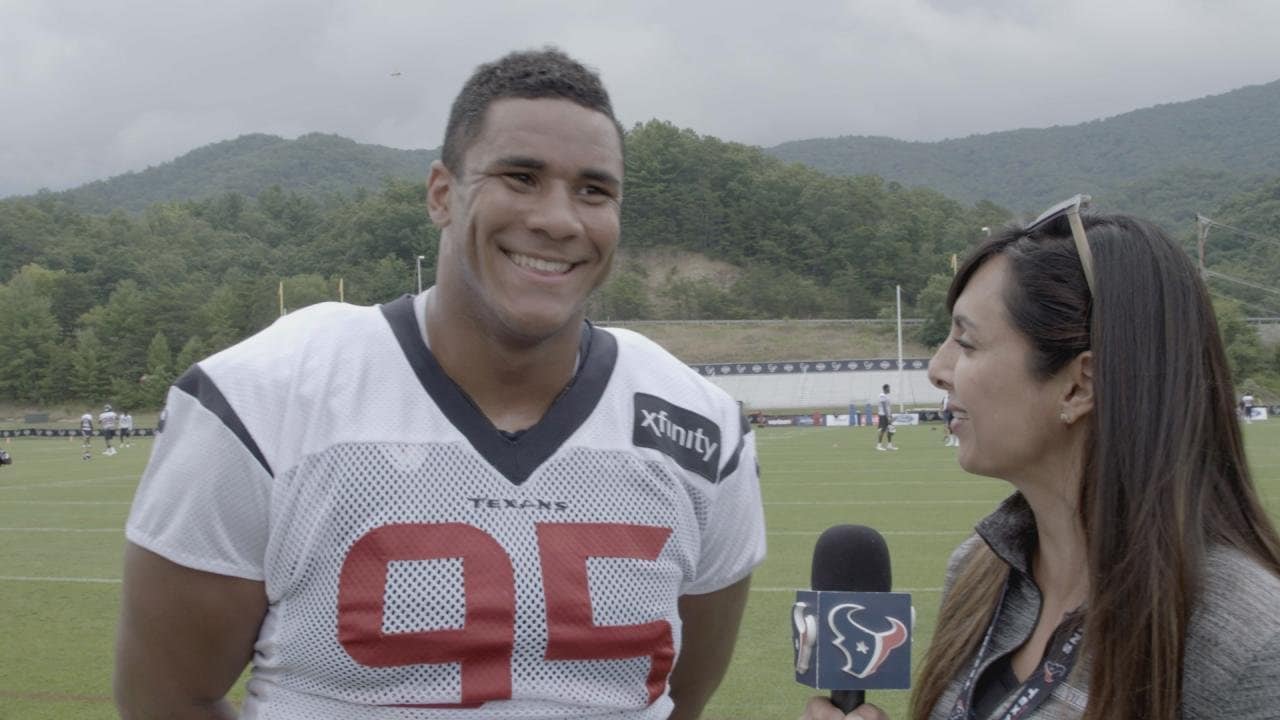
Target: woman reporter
column 1134, row 572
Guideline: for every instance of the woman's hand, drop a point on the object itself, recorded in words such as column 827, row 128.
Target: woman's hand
column 820, row 708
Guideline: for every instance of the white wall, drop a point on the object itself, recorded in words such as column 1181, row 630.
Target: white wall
column 828, row 389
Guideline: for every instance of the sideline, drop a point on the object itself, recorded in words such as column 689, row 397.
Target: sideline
column 28, row 578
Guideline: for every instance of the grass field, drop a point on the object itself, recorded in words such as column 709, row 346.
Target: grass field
column 61, row 542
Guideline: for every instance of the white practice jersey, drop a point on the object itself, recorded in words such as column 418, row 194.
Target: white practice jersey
column 107, row 420
column 86, row 423
column 886, row 407
column 420, row 564
column 126, row 422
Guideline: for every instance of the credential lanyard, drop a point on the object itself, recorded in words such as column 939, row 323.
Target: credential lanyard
column 1057, row 664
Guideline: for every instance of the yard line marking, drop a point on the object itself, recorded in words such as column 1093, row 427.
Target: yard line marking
column 66, row 502
column 879, row 502
column 876, row 483
column 57, row 529
column 792, row 589
column 66, row 483
column 26, row 578
column 54, row 697
column 910, row 533
column 765, row 469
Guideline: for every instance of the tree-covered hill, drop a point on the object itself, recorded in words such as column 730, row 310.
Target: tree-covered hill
column 1133, row 162
column 314, row 165
column 94, row 303
column 1167, row 162
column 112, row 306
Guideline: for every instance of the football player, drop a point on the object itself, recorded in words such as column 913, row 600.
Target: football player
column 469, row 503
column 107, row 421
column 126, row 429
column 885, row 405
column 86, row 436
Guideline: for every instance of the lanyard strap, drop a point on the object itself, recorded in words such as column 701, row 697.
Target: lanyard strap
column 1059, row 660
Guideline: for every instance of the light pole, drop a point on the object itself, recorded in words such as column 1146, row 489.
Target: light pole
column 420, row 259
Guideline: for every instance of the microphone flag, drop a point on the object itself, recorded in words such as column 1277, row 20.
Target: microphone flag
column 852, row 640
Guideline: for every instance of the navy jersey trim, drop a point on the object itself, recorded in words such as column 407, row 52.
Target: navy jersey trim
column 732, row 465
column 196, row 383
column 516, row 458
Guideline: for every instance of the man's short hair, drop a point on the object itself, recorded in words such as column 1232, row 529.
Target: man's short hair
column 886, row 387
column 528, row 75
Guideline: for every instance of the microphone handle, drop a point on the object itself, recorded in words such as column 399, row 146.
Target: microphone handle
column 847, row 700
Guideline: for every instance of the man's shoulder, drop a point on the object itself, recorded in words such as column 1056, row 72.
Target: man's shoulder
column 317, row 331
column 646, row 363
column 305, row 353
column 635, row 349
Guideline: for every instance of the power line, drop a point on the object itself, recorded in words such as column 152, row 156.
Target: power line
column 1246, row 283
column 1246, row 303
column 1214, row 223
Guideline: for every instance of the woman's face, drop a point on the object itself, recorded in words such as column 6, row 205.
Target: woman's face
column 1007, row 420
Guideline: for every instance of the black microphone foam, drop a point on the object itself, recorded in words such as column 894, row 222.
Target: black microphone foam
column 851, row 558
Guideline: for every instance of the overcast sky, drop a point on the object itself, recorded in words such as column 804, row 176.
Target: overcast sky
column 93, row 89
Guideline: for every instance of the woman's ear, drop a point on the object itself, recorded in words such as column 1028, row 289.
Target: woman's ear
column 1077, row 396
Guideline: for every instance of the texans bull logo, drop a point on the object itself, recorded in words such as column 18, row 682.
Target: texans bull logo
column 870, row 648
column 1053, row 671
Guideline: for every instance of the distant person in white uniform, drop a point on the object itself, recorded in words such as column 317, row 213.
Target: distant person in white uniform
column 949, row 438
column 885, row 407
column 1246, row 407
column 465, row 504
column 86, row 436
column 107, row 421
column 126, row 429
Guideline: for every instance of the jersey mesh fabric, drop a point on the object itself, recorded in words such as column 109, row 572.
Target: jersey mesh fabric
column 358, row 448
column 350, row 490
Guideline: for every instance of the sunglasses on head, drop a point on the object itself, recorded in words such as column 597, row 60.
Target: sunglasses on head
column 1071, row 209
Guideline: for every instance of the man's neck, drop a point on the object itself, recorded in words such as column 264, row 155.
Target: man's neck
column 512, row 382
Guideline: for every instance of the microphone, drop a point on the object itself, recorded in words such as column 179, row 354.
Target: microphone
column 851, row 633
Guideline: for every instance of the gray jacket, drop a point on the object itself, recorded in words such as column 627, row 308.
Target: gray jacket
column 1232, row 664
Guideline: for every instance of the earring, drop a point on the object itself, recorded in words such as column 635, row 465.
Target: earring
column 1064, row 417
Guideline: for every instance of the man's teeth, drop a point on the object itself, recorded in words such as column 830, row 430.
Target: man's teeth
column 534, row 263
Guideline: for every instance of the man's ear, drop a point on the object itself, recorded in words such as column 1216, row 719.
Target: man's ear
column 440, row 188
column 1078, row 397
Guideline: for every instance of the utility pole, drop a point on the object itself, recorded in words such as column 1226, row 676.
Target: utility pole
column 1202, row 234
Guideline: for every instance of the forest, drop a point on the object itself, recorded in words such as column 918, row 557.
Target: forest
column 115, row 304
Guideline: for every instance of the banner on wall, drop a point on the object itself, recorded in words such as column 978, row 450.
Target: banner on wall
column 810, row 366
column 66, row 433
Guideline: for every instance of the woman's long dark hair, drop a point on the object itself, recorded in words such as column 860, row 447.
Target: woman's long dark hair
column 1165, row 475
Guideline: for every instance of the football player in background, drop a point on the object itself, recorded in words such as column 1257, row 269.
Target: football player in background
column 86, row 436
column 126, row 429
column 487, row 507
column 107, row 421
column 885, row 407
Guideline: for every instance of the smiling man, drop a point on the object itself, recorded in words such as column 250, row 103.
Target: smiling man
column 470, row 503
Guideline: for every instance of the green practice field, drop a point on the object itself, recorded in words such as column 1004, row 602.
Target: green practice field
column 61, row 539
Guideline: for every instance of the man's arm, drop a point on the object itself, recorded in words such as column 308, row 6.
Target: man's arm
column 184, row 638
column 710, row 629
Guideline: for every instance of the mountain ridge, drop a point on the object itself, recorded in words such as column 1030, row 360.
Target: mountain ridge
column 1028, row 168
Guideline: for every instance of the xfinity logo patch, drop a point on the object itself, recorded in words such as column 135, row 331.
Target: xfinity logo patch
column 690, row 439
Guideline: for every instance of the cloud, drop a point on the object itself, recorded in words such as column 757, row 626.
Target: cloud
column 95, row 89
